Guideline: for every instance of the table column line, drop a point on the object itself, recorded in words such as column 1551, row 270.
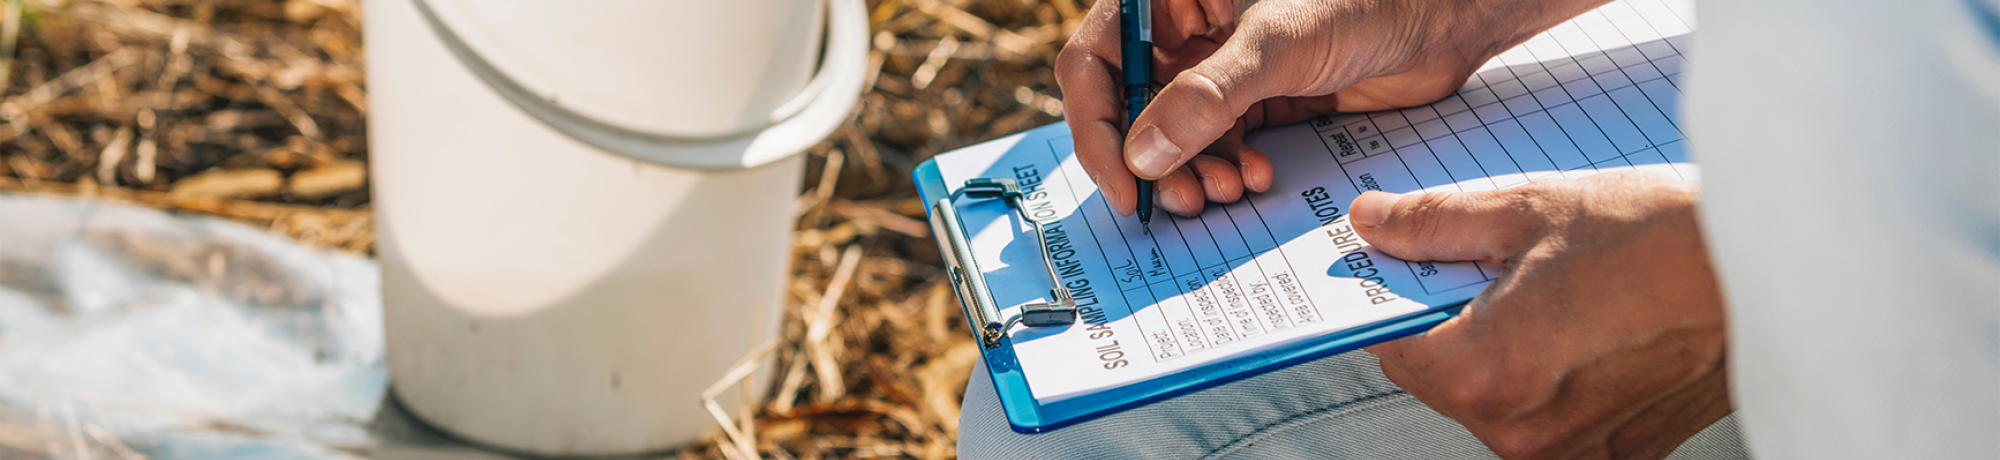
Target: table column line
column 1130, row 310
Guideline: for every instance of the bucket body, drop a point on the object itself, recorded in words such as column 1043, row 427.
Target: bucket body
column 546, row 296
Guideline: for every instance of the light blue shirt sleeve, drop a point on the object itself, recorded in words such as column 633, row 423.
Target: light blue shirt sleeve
column 1851, row 154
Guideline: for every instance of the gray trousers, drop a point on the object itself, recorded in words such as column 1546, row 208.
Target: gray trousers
column 1338, row 407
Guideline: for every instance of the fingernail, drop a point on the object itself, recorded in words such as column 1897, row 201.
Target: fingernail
column 1372, row 209
column 1152, row 155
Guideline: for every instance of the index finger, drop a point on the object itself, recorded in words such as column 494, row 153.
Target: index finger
column 1085, row 71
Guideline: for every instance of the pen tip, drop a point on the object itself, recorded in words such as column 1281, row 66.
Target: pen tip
column 1146, row 227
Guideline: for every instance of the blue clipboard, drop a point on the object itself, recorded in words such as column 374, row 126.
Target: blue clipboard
column 1026, row 414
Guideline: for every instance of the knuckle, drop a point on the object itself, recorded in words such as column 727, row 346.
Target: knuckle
column 1220, row 13
column 1523, row 442
column 1634, row 197
column 1204, row 88
column 1672, row 190
column 1070, row 61
column 1544, row 191
column 1540, row 256
column 1479, row 408
column 1634, row 181
column 1474, row 393
column 1631, row 176
column 1425, row 213
column 1491, row 394
column 1284, row 38
column 1548, row 199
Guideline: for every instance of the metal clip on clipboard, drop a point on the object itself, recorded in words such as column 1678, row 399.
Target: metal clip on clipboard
column 971, row 283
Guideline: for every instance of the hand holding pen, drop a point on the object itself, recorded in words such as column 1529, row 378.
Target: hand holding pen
column 1235, row 65
column 1135, row 50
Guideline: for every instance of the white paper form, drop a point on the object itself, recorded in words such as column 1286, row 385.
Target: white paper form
column 1595, row 94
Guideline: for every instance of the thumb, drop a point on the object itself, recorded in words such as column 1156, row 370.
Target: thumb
column 1198, row 106
column 1446, row 226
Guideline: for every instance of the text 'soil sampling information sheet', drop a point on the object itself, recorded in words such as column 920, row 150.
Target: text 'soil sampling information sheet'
column 1596, row 94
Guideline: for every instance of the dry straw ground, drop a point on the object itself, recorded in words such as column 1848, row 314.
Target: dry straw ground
column 254, row 110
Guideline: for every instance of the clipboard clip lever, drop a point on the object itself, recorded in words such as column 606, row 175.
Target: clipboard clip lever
column 967, row 279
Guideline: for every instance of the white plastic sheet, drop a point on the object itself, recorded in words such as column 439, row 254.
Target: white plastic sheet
column 128, row 332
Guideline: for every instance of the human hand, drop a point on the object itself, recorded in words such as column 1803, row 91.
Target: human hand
column 1602, row 337
column 1235, row 65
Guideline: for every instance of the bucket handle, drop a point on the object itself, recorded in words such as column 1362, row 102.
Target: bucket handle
column 795, row 126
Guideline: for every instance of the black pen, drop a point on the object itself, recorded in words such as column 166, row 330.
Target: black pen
column 1135, row 30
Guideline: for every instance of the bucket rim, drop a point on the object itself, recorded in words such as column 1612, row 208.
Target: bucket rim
column 816, row 111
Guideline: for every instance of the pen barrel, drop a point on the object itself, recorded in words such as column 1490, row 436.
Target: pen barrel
column 1137, row 97
column 1135, row 27
column 1135, row 38
column 1136, row 59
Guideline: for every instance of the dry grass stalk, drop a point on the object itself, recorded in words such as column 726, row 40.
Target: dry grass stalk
column 972, row 24
column 18, row 107
column 938, row 56
column 107, row 161
column 742, row 436
column 20, row 440
column 828, row 179
column 10, row 34
column 821, row 325
column 245, row 183
column 111, row 441
column 78, row 450
column 329, row 179
column 339, row 229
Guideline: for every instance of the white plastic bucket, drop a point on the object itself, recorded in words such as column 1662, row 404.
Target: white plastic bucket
column 583, row 208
